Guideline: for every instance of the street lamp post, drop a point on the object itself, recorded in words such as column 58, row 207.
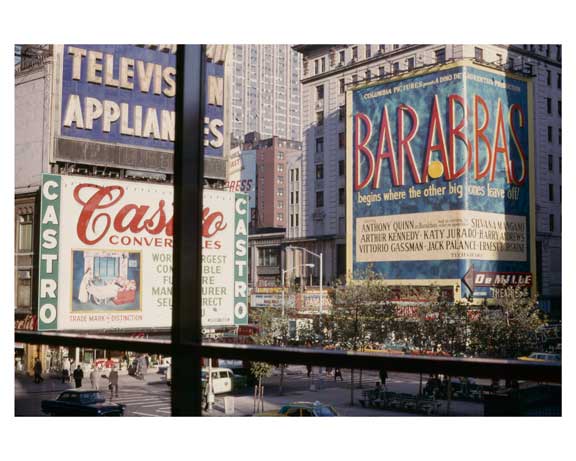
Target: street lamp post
column 283, row 287
column 320, row 257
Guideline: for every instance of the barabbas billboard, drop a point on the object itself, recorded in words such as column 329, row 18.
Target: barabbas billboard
column 440, row 179
column 106, row 255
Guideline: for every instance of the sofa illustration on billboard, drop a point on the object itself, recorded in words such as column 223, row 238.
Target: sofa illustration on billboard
column 105, row 281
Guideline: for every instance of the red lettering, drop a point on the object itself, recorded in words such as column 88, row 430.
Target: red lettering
column 517, row 108
column 360, row 147
column 436, row 131
column 500, row 145
column 93, row 226
column 404, row 144
column 385, row 137
column 456, row 132
column 479, row 134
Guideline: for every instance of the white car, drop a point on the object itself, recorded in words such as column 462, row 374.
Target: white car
column 222, row 379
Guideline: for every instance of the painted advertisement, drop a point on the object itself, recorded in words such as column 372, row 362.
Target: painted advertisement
column 441, row 177
column 106, row 255
column 124, row 95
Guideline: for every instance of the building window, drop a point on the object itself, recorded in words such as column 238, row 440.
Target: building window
column 319, row 145
column 551, row 192
column 297, row 197
column 382, row 48
column 297, row 173
column 320, row 118
column 24, row 294
column 559, row 52
column 296, row 215
column 354, row 52
column 368, row 51
column 280, row 193
column 354, row 78
column 280, row 168
column 341, row 139
column 281, row 180
column 341, row 168
column 559, row 107
column 291, row 220
column 342, row 86
column 323, row 64
column 559, row 82
column 280, row 217
column 551, row 223
column 396, row 68
column 368, row 75
column 280, row 156
column 559, row 135
column 396, row 47
column 320, row 92
column 341, row 196
column 499, row 59
column 440, row 55
column 280, row 204
column 549, row 134
column 319, row 199
column 268, row 257
column 342, row 56
column 25, row 232
column 341, row 113
column 410, row 62
column 549, row 105
column 382, row 71
column 316, row 66
column 478, row 54
column 548, row 50
column 560, row 164
column 548, row 78
column 320, row 171
column 550, row 162
column 292, row 198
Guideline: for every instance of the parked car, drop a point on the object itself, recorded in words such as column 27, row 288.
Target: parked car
column 303, row 409
column 541, row 357
column 223, row 379
column 77, row 402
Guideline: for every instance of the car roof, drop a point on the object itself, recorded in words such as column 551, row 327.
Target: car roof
column 306, row 404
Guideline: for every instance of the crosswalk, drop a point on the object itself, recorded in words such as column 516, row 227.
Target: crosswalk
column 145, row 404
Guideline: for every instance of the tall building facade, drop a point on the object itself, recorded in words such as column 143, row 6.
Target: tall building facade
column 266, row 91
column 329, row 70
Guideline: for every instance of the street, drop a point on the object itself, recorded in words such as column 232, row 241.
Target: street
column 151, row 396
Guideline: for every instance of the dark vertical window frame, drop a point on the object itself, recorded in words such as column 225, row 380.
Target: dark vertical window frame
column 188, row 184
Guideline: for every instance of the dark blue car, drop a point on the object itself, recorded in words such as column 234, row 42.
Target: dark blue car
column 77, row 402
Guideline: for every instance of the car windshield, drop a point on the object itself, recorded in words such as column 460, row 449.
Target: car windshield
column 324, row 411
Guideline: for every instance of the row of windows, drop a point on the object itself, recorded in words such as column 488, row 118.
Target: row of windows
column 551, row 163
column 549, row 106
column 294, row 221
column 339, row 59
column 551, row 135
column 320, row 197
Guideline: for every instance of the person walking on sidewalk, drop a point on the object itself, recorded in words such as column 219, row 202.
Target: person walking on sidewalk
column 383, row 377
column 113, row 386
column 38, row 371
column 78, row 376
column 94, row 378
column 65, row 370
column 338, row 374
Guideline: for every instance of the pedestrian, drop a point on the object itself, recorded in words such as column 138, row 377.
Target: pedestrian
column 65, row 370
column 94, row 378
column 78, row 376
column 308, row 370
column 383, row 377
column 38, row 371
column 338, row 374
column 113, row 386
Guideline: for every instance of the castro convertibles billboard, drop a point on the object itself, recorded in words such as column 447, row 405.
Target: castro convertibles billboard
column 122, row 97
column 106, row 255
column 440, row 179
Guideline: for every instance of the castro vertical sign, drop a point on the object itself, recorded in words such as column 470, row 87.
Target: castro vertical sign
column 106, row 255
column 441, row 177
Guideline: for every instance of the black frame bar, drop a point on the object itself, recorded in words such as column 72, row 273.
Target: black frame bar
column 453, row 366
column 187, row 255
